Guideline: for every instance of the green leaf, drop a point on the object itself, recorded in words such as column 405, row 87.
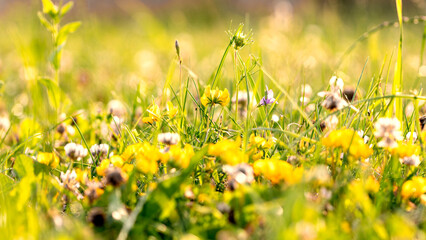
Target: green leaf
column 49, row 8
column 45, row 22
column 65, row 31
column 24, row 166
column 66, row 8
column 56, row 56
column 53, row 91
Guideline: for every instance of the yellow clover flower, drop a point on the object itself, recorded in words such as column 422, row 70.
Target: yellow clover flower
column 154, row 114
column 171, row 110
column 349, row 141
column 212, row 97
column 277, row 170
column 414, row 188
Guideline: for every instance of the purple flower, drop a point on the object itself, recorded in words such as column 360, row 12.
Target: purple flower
column 268, row 99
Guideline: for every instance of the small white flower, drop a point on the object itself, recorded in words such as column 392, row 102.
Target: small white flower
column 275, row 118
column 75, row 151
column 413, row 160
column 388, row 129
column 169, row 138
column 408, row 136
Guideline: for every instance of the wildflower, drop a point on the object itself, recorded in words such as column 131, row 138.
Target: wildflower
column 336, row 84
column 4, row 124
column 115, row 124
column 405, row 150
column 243, row 101
column 94, row 190
column 212, row 97
column 240, row 40
column 349, row 94
column 277, row 170
column 228, row 151
column 116, row 108
column 275, row 118
column 115, row 177
column 413, row 160
column 422, row 120
column 261, row 142
column 146, row 158
column 333, row 102
column 349, row 141
column 82, row 175
column 306, row 94
column 97, row 217
column 75, row 151
column 330, row 123
column 389, row 130
column 99, row 150
column 69, row 181
column 181, row 157
column 268, row 98
column 171, row 110
column 49, row 159
column 414, row 188
column 169, row 138
column 239, row 174
column 154, row 114
column 408, row 136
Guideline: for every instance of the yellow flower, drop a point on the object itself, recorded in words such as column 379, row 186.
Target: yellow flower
column 82, row 175
column 154, row 114
column 103, row 166
column 117, row 161
column 414, row 188
column 228, row 151
column 349, row 141
column 277, row 170
column 171, row 110
column 405, row 150
column 211, row 97
column 260, row 142
column 372, row 185
column 49, row 159
column 146, row 158
column 181, row 157
column 131, row 151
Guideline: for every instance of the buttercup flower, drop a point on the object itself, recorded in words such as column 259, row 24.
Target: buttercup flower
column 212, row 97
column 389, row 130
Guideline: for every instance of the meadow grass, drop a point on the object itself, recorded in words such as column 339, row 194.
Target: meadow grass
column 271, row 135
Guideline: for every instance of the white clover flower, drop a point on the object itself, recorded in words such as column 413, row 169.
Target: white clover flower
column 100, row 150
column 388, row 129
column 169, row 138
column 413, row 160
column 75, row 151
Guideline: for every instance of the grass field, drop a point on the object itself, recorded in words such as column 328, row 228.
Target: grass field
column 212, row 120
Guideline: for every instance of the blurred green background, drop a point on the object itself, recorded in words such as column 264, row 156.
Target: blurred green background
column 124, row 43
